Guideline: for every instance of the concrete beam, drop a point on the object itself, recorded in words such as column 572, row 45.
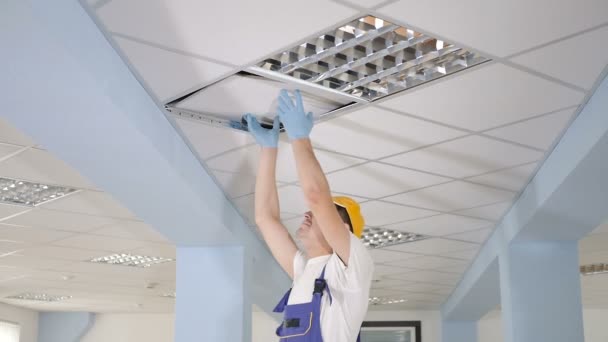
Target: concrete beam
column 66, row 87
column 566, row 200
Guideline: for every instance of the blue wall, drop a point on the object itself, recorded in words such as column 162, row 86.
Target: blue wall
column 64, row 326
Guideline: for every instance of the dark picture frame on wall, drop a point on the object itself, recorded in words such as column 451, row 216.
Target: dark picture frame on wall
column 411, row 329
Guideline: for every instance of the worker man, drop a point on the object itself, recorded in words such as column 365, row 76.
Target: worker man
column 332, row 275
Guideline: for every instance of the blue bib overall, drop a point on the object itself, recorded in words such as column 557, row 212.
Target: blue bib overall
column 302, row 322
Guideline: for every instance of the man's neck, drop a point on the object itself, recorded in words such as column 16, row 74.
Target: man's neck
column 317, row 252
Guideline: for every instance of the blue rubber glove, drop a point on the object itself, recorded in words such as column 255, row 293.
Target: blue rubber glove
column 263, row 136
column 297, row 123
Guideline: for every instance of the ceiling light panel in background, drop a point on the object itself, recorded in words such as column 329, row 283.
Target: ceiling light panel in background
column 20, row 192
column 40, row 297
column 130, row 260
column 379, row 237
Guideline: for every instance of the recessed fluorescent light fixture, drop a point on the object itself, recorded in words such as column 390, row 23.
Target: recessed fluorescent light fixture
column 224, row 103
column 41, row 297
column 594, row 269
column 168, row 295
column 385, row 301
column 130, row 260
column 379, row 237
column 13, row 191
column 370, row 58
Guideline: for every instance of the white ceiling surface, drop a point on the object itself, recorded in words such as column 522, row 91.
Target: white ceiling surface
column 44, row 249
column 446, row 158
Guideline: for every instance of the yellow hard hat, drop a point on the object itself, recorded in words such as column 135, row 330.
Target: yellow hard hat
column 354, row 213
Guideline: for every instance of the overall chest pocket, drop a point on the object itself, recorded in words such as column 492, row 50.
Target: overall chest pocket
column 298, row 322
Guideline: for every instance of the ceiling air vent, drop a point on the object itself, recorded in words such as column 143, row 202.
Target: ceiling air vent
column 370, row 58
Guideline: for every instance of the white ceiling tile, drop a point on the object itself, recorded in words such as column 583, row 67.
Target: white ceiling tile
column 440, row 225
column 464, row 255
column 498, row 27
column 491, row 212
column 222, row 31
column 594, row 243
column 9, row 210
column 31, row 235
column 385, row 271
column 477, row 236
column 256, row 95
column 374, row 133
column 378, row 213
column 211, row 140
column 381, row 255
column 585, row 51
column 602, row 228
column 44, row 218
column 41, row 166
column 539, row 132
column 168, row 73
column 235, row 184
column 469, row 156
column 9, row 246
column 434, row 246
column 62, row 253
column 429, row 277
column 374, row 180
column 6, row 150
column 291, row 199
column 245, row 160
column 92, row 203
column 460, row 269
column 451, row 196
column 427, row 262
column 484, row 98
column 96, row 242
column 513, row 179
column 365, row 3
column 31, row 263
column 11, row 135
column 164, row 250
column 134, row 230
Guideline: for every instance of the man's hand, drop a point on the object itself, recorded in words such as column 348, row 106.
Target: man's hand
column 264, row 137
column 297, row 123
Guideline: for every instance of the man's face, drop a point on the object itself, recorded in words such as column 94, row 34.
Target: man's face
column 309, row 233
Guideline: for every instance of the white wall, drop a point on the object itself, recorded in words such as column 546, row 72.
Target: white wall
column 489, row 329
column 160, row 327
column 131, row 328
column 27, row 319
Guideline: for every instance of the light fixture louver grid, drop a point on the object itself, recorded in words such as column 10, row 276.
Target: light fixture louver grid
column 371, row 58
column 130, row 260
column 386, row 301
column 594, row 269
column 41, row 297
column 13, row 191
column 378, row 237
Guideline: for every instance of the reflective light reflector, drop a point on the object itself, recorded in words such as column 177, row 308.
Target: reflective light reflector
column 130, row 260
column 594, row 269
column 379, row 237
column 168, row 295
column 371, row 58
column 19, row 192
column 41, row 297
column 385, row 301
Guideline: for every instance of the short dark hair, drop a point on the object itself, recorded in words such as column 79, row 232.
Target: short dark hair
column 344, row 216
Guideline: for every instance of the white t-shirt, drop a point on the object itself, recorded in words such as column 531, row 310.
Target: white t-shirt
column 349, row 287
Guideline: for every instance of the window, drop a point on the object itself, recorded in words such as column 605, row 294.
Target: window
column 9, row 332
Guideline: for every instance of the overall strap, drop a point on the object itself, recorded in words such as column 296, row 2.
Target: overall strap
column 283, row 303
column 321, row 285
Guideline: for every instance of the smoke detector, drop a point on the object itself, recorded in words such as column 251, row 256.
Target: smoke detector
column 355, row 63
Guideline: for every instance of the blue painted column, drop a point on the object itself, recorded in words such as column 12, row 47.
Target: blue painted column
column 64, row 326
column 459, row 331
column 212, row 297
column 541, row 292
